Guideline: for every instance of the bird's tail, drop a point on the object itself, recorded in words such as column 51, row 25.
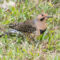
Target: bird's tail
column 11, row 32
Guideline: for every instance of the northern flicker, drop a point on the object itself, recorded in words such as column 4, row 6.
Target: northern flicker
column 36, row 26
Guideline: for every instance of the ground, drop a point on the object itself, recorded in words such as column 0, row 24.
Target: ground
column 47, row 46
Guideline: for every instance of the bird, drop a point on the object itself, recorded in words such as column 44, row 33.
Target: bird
column 37, row 26
column 34, row 27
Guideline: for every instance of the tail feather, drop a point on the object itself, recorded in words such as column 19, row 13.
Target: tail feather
column 11, row 32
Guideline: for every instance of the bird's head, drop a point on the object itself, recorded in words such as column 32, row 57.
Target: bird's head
column 42, row 22
column 43, row 17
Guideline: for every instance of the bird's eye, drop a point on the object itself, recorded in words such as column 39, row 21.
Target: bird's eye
column 41, row 19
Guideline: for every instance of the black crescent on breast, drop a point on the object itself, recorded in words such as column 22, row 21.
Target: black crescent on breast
column 42, row 31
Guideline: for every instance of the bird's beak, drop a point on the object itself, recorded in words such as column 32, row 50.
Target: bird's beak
column 49, row 16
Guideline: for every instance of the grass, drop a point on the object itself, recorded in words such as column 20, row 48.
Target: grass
column 11, row 47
